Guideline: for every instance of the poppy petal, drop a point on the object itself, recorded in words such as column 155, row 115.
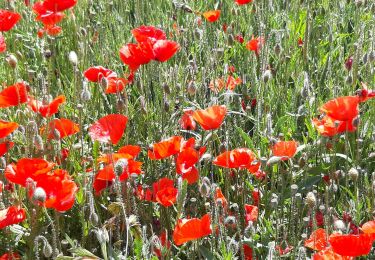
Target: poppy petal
column 210, row 118
column 109, row 128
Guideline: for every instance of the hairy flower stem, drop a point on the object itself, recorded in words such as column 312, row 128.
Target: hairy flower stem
column 55, row 250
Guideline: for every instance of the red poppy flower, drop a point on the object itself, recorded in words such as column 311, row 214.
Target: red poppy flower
column 186, row 159
column 48, row 18
column 233, row 82
column 27, row 168
column 191, row 229
column 300, row 42
column 256, row 196
column 5, row 146
column 46, row 110
column 317, row 240
column 243, row 2
column 212, row 16
column 165, row 49
column 342, row 108
column 132, row 150
column 8, row 20
column 191, row 176
column 328, row 254
column 164, row 243
column 6, row 128
column 3, row 46
column 351, row 245
column 165, row 148
column 364, row 94
column 248, row 252
column 59, row 5
column 10, row 256
column 60, row 190
column 53, row 30
column 187, row 121
column 165, row 193
column 210, row 118
column 11, row 215
column 13, row 95
column 255, row 44
column 135, row 55
column 109, row 128
column 240, row 158
column 97, row 73
column 115, row 85
column 220, row 198
column 65, row 127
column 285, row 149
column 104, row 178
column 327, row 126
column 217, row 85
column 251, row 213
column 144, row 33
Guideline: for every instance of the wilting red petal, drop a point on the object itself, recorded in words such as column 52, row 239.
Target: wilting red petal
column 48, row 109
column 135, row 55
column 342, row 108
column 285, row 149
column 5, row 146
column 317, row 240
column 59, row 5
column 6, row 128
column 115, row 85
column 255, row 44
column 232, row 82
column 220, row 198
column 8, row 20
column 65, row 127
column 109, row 128
column 3, row 46
column 95, row 74
column 327, row 126
column 191, row 229
column 328, row 254
column 143, row 33
column 165, row 49
column 53, row 30
column 243, row 2
column 212, row 16
column 351, row 245
column 241, row 158
column 251, row 213
column 13, row 95
column 11, row 215
column 210, row 118
column 217, row 85
column 27, row 168
column 165, row 148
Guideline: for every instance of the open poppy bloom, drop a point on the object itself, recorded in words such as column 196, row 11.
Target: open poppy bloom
column 255, row 44
column 191, row 229
column 5, row 146
column 108, row 128
column 164, row 192
column 342, row 108
column 240, row 158
column 251, row 213
column 11, row 215
column 185, row 163
column 10, row 256
column 218, row 84
column 187, row 121
column 26, row 168
column 6, row 128
column 165, row 49
column 13, row 95
column 8, row 20
column 329, row 254
column 285, row 149
column 45, row 16
column 97, row 73
column 351, row 245
column 60, row 128
column 327, row 126
column 243, row 2
column 212, row 16
column 210, row 118
column 59, row 5
column 144, row 33
column 317, row 240
column 3, row 46
column 165, row 148
column 46, row 110
column 115, row 85
column 135, row 55
column 60, row 190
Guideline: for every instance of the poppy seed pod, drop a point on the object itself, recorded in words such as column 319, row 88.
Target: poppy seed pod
column 277, row 49
column 191, row 88
column 73, row 58
column 12, row 61
column 39, row 195
column 310, row 200
column 353, row 174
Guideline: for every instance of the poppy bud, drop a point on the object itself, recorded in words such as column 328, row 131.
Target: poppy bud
column 372, row 53
column 294, row 189
column 3, row 162
column 205, row 190
column 39, row 195
column 85, row 94
column 93, row 218
column 83, row 32
column 73, row 58
column 198, row 33
column 356, row 121
column 230, row 39
column 47, row 54
column 166, row 88
column 38, row 142
column 191, row 89
column 142, row 101
column 365, row 58
column 353, row 174
column 277, row 49
column 267, row 75
column 274, row 203
column 166, row 105
column 310, row 199
column 120, row 166
column 12, row 61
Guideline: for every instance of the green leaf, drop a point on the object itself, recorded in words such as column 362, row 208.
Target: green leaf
column 206, row 253
column 82, row 252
